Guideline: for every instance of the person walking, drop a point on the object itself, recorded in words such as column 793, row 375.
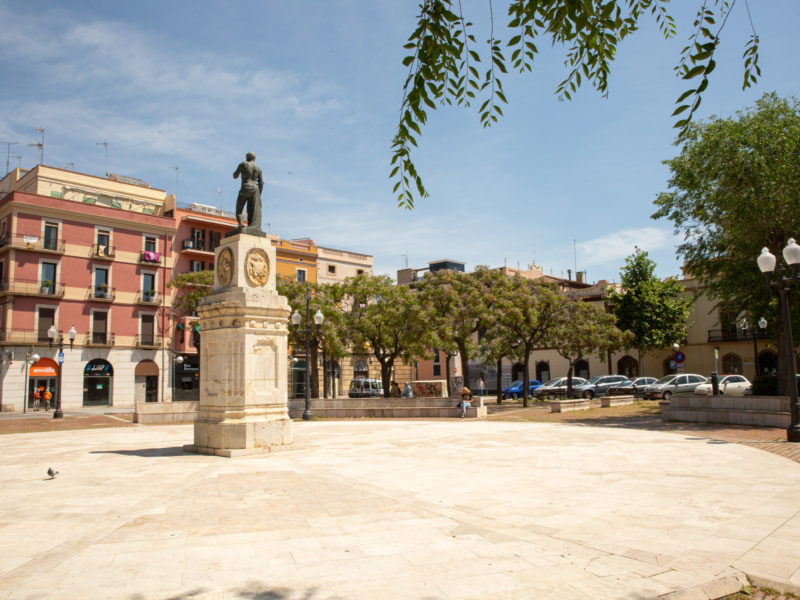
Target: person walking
column 481, row 387
column 47, row 396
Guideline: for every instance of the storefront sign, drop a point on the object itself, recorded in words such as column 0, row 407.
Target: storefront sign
column 46, row 367
column 98, row 368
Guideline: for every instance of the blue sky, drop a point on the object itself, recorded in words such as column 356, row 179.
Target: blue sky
column 313, row 88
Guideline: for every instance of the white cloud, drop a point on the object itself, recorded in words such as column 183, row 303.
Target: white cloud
column 614, row 247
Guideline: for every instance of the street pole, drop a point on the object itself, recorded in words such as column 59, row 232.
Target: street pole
column 58, row 413
column 307, row 415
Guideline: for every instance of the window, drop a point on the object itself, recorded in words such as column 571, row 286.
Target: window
column 332, row 269
column 147, row 324
column 48, row 277
column 101, row 283
column 99, row 327
column 51, row 236
column 359, row 271
column 47, row 318
column 103, row 241
column 213, row 238
column 301, row 275
column 148, row 286
column 197, row 265
column 199, row 239
column 149, row 244
column 437, row 365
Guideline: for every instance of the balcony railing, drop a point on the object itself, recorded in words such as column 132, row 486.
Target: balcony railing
column 736, row 335
column 103, row 251
column 99, row 338
column 150, row 257
column 147, row 341
column 196, row 246
column 32, row 242
column 31, row 287
column 100, row 294
column 24, row 337
column 147, row 297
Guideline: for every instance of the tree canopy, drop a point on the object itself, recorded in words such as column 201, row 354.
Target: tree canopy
column 652, row 310
column 444, row 60
column 735, row 188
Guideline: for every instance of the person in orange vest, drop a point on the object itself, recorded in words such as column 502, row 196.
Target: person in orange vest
column 47, row 397
column 37, row 397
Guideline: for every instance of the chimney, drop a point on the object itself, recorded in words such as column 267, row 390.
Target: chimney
column 579, row 276
column 569, row 274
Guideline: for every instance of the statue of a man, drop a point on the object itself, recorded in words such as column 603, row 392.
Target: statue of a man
column 250, row 193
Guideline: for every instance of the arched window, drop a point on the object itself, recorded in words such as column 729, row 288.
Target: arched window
column 516, row 371
column 628, row 366
column 731, row 363
column 582, row 369
column 543, row 371
column 98, row 375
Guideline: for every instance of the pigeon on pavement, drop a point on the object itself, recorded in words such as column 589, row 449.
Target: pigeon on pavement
column 52, row 472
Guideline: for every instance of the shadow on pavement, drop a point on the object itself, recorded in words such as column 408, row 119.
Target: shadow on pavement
column 145, row 452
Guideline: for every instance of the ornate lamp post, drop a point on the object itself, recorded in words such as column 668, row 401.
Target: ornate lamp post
column 781, row 285
column 318, row 319
column 53, row 333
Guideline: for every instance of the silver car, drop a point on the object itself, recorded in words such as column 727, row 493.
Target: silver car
column 673, row 384
column 556, row 386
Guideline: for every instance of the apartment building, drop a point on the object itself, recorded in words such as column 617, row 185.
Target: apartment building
column 83, row 260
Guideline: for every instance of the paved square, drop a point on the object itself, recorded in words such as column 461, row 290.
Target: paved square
column 393, row 509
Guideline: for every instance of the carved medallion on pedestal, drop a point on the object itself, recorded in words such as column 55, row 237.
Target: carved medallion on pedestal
column 257, row 267
column 225, row 267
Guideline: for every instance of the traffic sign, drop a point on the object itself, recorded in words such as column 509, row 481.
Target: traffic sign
column 680, row 357
column 60, row 358
column 672, row 364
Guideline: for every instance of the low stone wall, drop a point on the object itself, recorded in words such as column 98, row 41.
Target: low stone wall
column 608, row 401
column 386, row 408
column 160, row 413
column 760, row 411
column 558, row 406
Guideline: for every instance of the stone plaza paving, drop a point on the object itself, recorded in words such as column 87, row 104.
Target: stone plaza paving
column 447, row 509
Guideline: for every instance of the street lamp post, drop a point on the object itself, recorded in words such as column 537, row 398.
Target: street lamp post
column 762, row 323
column 318, row 319
column 30, row 358
column 52, row 333
column 781, row 285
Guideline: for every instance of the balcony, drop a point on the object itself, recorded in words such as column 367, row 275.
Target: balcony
column 147, row 297
column 100, row 294
column 32, row 242
column 201, row 247
column 147, row 341
column 104, row 252
column 735, row 335
column 26, row 337
column 99, row 339
column 150, row 257
column 31, row 287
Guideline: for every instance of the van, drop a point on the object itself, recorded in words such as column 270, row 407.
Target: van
column 366, row 388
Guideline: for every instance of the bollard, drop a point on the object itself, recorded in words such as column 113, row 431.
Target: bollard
column 714, row 383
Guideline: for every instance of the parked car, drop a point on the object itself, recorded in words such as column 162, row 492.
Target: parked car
column 557, row 385
column 366, row 388
column 729, row 385
column 630, row 387
column 596, row 386
column 672, row 384
column 515, row 389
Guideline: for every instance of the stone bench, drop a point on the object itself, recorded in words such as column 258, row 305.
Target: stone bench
column 558, row 406
column 160, row 413
column 759, row 411
column 608, row 401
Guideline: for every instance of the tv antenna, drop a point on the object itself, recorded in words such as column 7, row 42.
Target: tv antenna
column 104, row 143
column 405, row 259
column 39, row 145
column 8, row 155
column 177, row 169
column 219, row 197
column 70, row 166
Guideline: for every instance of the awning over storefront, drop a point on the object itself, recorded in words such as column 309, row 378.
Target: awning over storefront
column 146, row 368
column 46, row 367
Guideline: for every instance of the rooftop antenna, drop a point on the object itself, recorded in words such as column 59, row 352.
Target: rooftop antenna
column 177, row 169
column 8, row 155
column 104, row 143
column 69, row 164
column 39, row 145
column 575, row 257
column 405, row 259
column 219, row 197
column 19, row 160
column 269, row 227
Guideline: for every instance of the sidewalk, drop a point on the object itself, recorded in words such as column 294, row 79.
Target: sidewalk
column 373, row 509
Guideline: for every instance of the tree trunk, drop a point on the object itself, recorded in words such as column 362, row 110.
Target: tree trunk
column 325, row 381
column 568, row 393
column 314, row 373
column 447, row 374
column 786, row 361
column 499, row 381
column 639, row 365
column 525, row 377
column 462, row 349
column 386, row 375
column 608, row 357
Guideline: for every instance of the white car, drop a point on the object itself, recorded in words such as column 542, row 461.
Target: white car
column 729, row 385
column 672, row 384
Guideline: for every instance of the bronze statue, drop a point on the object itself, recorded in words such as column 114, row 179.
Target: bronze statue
column 250, row 194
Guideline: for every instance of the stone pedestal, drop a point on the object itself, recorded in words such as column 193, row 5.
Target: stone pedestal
column 243, row 355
